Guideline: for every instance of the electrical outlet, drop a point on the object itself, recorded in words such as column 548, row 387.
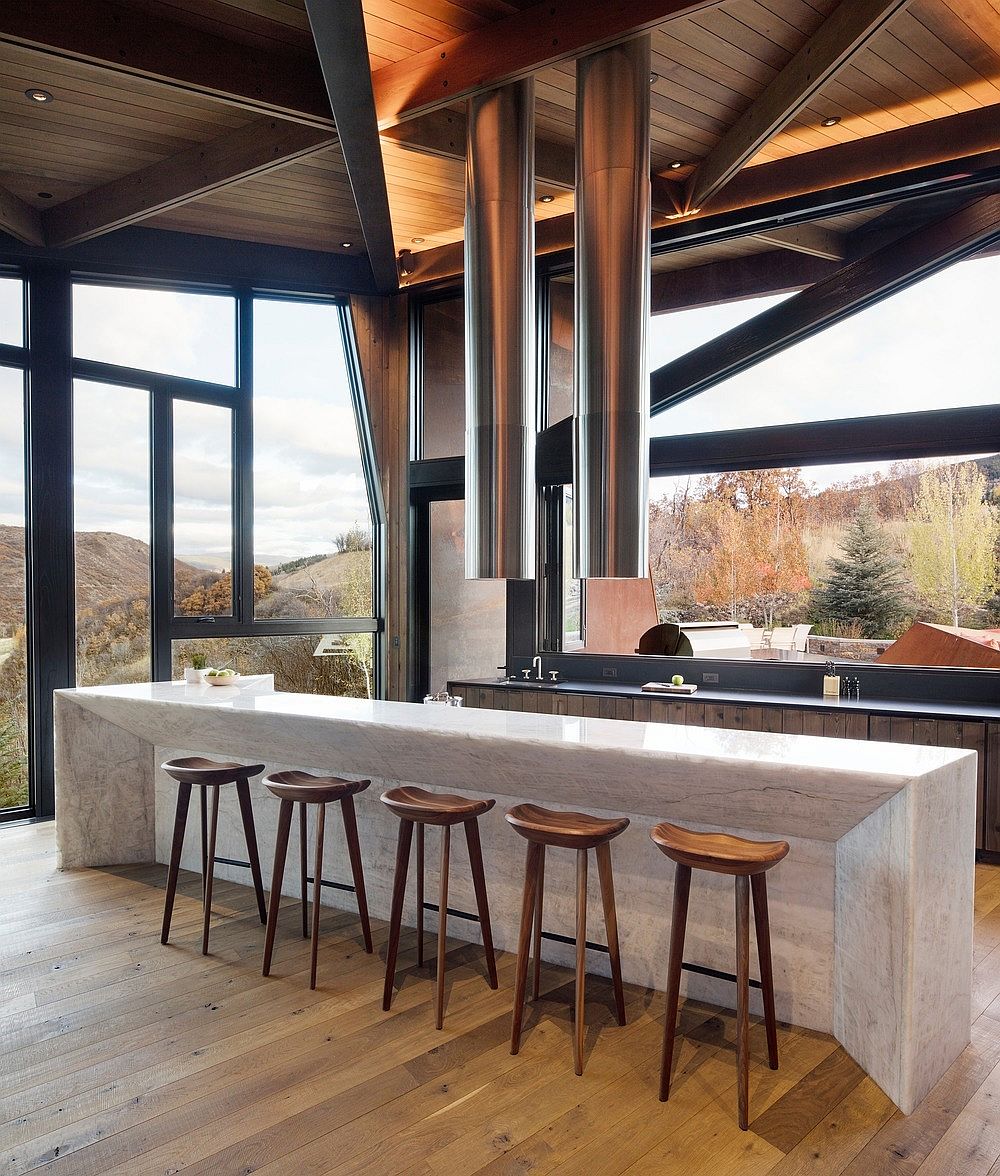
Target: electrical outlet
column 710, row 678
column 609, row 672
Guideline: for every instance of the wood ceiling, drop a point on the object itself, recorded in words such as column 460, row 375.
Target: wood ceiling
column 211, row 116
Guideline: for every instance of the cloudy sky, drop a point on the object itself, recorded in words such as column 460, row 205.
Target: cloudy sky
column 936, row 344
column 308, row 482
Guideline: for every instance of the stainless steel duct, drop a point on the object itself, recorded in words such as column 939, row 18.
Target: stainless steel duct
column 611, row 383
column 500, row 335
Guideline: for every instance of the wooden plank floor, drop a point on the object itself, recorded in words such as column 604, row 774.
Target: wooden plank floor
column 125, row 1058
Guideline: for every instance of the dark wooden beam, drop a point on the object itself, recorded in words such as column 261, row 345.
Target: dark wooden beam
column 851, row 25
column 339, row 32
column 813, row 240
column 164, row 255
column 837, row 297
column 735, row 279
column 259, row 147
column 139, row 43
column 20, row 219
column 513, row 47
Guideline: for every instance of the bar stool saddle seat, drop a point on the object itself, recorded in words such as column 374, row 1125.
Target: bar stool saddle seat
column 567, row 830
column 542, row 828
column 209, row 776
column 747, row 862
column 303, row 789
column 419, row 807
column 433, row 808
column 721, row 853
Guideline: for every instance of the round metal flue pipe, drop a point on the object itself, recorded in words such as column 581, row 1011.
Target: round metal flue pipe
column 500, row 392
column 611, row 381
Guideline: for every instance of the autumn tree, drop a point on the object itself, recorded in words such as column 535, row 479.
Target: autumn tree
column 865, row 584
column 953, row 537
column 216, row 599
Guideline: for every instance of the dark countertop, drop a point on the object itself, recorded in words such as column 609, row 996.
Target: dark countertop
column 916, row 708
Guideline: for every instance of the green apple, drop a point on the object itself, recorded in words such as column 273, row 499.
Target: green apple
column 220, row 674
column 677, row 680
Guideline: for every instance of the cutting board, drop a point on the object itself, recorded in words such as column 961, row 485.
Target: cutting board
column 669, row 688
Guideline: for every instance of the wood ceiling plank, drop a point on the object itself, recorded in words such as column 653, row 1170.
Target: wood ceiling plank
column 257, row 147
column 850, row 290
column 128, row 41
column 339, row 33
column 20, row 219
column 852, row 25
column 530, row 40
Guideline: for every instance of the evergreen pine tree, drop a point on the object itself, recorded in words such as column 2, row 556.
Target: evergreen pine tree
column 865, row 585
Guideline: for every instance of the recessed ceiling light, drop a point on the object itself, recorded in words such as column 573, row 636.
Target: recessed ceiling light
column 674, row 164
column 653, row 79
column 417, row 240
column 44, row 195
column 831, row 121
column 346, row 244
column 37, row 95
column 546, row 199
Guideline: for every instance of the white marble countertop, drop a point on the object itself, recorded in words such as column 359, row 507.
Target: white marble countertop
column 794, row 784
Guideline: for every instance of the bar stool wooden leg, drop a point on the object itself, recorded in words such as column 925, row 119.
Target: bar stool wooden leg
column 743, row 997
column 536, row 937
column 250, row 833
column 180, row 824
column 482, row 899
column 304, row 867
column 678, row 921
column 317, row 883
column 420, row 896
column 213, row 827
column 524, row 941
column 442, row 921
column 396, row 912
column 611, row 924
column 277, row 873
column 204, row 840
column 758, row 887
column 357, row 869
column 581, row 957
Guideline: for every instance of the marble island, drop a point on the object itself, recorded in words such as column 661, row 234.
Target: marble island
column 871, row 912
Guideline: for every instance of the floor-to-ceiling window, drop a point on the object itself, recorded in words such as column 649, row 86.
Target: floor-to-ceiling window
column 220, row 477
column 14, row 729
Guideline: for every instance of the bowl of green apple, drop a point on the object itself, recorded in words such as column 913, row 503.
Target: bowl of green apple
column 223, row 677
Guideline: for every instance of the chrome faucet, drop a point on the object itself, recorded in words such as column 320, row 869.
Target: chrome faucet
column 536, row 665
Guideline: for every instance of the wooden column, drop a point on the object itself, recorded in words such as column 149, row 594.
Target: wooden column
column 381, row 329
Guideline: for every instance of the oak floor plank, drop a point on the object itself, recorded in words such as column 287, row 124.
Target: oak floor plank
column 121, row 1057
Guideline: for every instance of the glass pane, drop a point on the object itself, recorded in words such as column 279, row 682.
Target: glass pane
column 111, row 504
column 468, row 617
column 572, row 589
column 560, row 392
column 13, row 636
column 203, row 510
column 12, row 311
column 893, row 562
column 444, row 378
column 341, row 664
column 312, row 520
column 174, row 332
column 934, row 345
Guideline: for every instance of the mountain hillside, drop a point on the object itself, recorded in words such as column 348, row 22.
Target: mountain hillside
column 329, row 571
column 109, row 568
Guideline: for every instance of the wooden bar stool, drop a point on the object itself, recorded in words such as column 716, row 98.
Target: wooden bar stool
column 542, row 827
column 209, row 776
column 304, row 789
column 747, row 861
column 416, row 806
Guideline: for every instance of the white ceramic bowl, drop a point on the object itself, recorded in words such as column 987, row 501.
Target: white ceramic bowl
column 228, row 681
